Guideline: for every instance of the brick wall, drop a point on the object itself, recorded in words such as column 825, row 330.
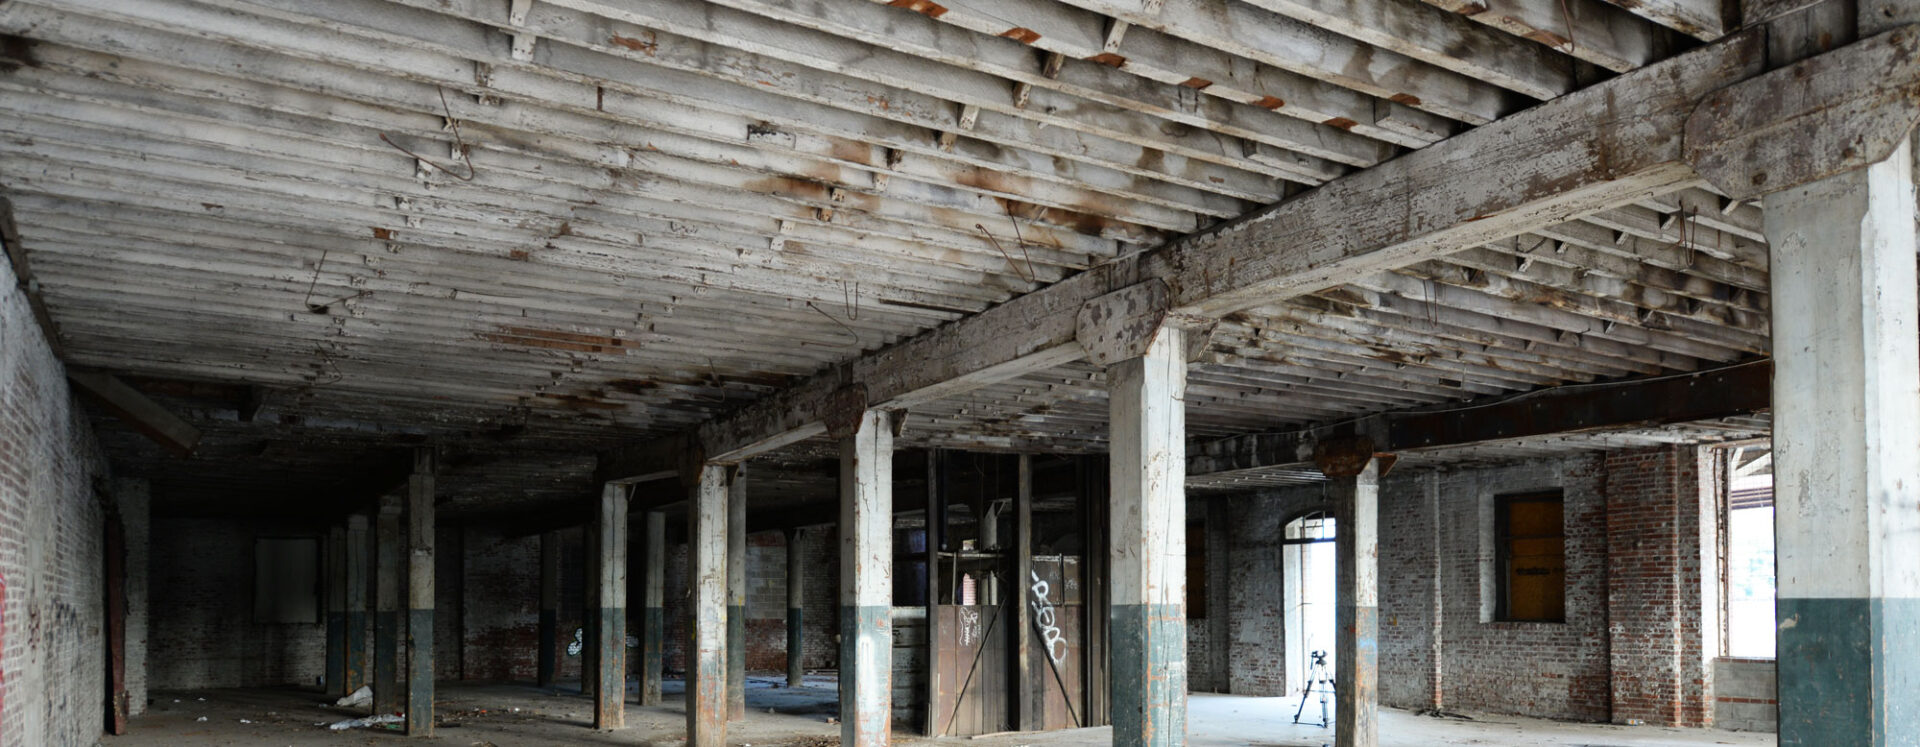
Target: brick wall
column 767, row 638
column 202, row 628
column 52, row 679
column 1639, row 623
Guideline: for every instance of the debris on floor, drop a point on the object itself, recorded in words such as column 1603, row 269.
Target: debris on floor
column 361, row 723
column 359, row 697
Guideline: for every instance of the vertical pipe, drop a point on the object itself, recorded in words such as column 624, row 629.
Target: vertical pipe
column 1356, row 521
column 796, row 611
column 654, row 626
column 707, row 583
column 420, row 602
column 609, row 685
column 737, row 594
column 1148, row 520
column 549, row 607
column 866, row 577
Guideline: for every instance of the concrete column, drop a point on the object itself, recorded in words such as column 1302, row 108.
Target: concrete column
column 707, row 586
column 737, row 594
column 1147, row 527
column 796, row 612
column 356, row 635
column 653, row 629
column 336, row 611
column 389, row 580
column 1356, row 613
column 549, row 656
column 866, row 582
column 609, row 685
column 1846, row 429
column 420, row 525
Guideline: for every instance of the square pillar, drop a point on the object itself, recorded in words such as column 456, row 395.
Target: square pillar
column 336, row 586
column 549, row 632
column 707, row 587
column 609, row 649
column 1846, row 425
column 866, row 581
column 653, row 628
column 420, row 525
column 737, row 594
column 389, row 579
column 796, row 611
column 1356, row 612
column 1148, row 535
column 356, row 633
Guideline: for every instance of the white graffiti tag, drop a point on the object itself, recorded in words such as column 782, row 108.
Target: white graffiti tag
column 1043, row 617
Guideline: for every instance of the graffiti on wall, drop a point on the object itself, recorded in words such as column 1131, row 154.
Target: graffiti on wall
column 1045, row 619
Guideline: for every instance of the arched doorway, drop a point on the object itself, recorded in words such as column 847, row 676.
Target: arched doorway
column 1307, row 567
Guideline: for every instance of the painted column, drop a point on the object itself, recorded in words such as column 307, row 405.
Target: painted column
column 707, row 585
column 609, row 685
column 1356, row 612
column 1846, row 409
column 337, row 611
column 420, row 525
column 737, row 594
column 356, row 663
column 1147, row 529
column 796, row 612
column 653, row 633
column 388, row 626
column 549, row 656
column 866, row 582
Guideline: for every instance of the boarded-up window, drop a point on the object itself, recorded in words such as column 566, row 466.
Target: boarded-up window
column 1533, row 557
column 286, row 580
column 1196, row 571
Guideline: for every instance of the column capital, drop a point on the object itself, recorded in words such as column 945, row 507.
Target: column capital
column 1121, row 325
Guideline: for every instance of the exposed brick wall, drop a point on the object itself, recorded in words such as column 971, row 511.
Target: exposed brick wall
column 202, row 627
column 502, row 605
column 52, row 674
column 767, row 638
column 1657, row 528
column 1637, row 639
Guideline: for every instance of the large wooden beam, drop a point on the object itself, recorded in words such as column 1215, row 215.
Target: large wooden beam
column 137, row 410
column 1603, row 147
column 1741, row 389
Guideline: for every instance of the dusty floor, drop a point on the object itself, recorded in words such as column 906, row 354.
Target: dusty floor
column 506, row 715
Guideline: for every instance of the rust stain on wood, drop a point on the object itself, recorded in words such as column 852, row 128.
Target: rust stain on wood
column 1269, row 102
column 1196, row 83
column 1109, row 59
column 1405, row 98
column 1021, row 34
column 553, row 339
column 931, row 9
column 1341, row 122
column 382, row 234
column 647, row 46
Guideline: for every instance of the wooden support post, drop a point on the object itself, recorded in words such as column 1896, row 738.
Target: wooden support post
column 653, row 629
column 707, row 626
column 1356, row 511
column 388, row 626
column 1026, row 695
column 420, row 526
column 356, row 635
column 336, row 612
column 1149, row 544
column 936, row 533
column 737, row 594
column 1846, row 427
column 549, row 633
column 609, row 684
column 796, row 611
column 866, row 582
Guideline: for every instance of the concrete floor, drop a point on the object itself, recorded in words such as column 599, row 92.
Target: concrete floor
column 507, row 715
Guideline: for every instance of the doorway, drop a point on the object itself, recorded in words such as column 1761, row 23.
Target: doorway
column 1307, row 567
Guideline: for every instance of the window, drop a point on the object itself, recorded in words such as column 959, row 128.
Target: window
column 1531, row 537
column 286, row 580
column 1749, row 580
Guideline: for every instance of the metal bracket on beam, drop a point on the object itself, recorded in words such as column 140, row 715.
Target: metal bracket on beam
column 1822, row 116
column 1120, row 325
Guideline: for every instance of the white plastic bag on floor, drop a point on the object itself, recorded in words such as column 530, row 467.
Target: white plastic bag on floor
column 360, row 697
column 361, row 723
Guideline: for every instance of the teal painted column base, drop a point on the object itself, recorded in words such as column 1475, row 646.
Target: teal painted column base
column 736, row 663
column 796, row 646
column 420, row 673
column 866, row 672
column 1849, row 672
column 356, row 676
column 1149, row 655
column 653, row 631
column 336, row 654
column 387, row 697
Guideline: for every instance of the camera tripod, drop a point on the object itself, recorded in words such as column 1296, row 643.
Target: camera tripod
column 1319, row 681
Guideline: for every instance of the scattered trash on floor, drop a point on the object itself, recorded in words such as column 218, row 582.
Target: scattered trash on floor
column 202, row 718
column 244, row 721
column 361, row 723
column 360, row 697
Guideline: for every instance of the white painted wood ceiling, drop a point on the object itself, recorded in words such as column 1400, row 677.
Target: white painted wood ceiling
column 532, row 229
